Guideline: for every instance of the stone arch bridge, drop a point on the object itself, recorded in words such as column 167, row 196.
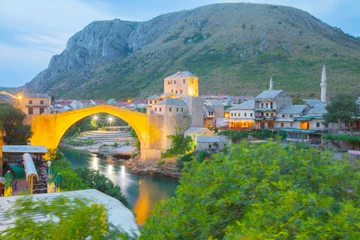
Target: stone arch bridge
column 48, row 129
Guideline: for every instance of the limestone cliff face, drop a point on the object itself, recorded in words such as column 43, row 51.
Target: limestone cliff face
column 233, row 48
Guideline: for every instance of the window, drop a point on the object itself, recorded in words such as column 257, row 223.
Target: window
column 174, row 81
column 180, row 91
column 317, row 124
column 176, row 91
column 177, row 109
column 150, row 102
column 267, row 105
column 182, row 109
column 245, row 114
column 155, row 109
column 282, row 125
column 283, row 115
column 159, row 109
column 251, row 114
column 238, row 114
column 231, row 114
column 30, row 101
column 262, row 105
column 41, row 102
column 267, row 114
column 42, row 110
column 183, row 80
column 209, row 145
column 291, row 115
column 30, row 111
column 271, row 105
column 172, row 90
column 169, row 109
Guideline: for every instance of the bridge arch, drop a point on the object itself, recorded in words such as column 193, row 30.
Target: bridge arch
column 48, row 129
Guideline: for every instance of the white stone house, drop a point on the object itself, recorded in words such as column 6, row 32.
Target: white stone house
column 242, row 116
column 211, row 143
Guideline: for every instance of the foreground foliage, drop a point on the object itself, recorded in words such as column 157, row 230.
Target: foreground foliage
column 237, row 135
column 68, row 219
column 180, row 145
column 12, row 129
column 262, row 192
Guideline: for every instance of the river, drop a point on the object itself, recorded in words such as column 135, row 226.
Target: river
column 142, row 191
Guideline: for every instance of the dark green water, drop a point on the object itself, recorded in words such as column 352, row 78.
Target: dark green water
column 142, row 191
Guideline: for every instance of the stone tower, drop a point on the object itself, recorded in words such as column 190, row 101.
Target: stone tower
column 323, row 85
column 271, row 85
column 183, row 84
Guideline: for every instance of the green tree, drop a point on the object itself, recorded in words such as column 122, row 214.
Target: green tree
column 262, row 192
column 180, row 145
column 13, row 130
column 69, row 219
column 341, row 109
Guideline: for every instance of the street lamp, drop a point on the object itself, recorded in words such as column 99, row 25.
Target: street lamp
column 110, row 119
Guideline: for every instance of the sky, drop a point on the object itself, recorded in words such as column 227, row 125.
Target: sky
column 32, row 31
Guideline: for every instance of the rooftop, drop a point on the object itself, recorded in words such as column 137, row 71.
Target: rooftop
column 153, row 97
column 181, row 74
column 292, row 109
column 312, row 102
column 250, row 104
column 318, row 109
column 36, row 95
column 269, row 94
column 211, row 139
column 171, row 101
column 215, row 103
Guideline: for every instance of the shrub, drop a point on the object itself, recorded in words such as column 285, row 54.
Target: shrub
column 181, row 160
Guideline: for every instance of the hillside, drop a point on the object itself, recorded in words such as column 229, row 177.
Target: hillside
column 234, row 48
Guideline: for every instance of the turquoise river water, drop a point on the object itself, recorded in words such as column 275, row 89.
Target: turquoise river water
column 142, row 191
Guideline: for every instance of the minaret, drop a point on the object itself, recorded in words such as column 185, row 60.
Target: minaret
column 323, row 85
column 271, row 85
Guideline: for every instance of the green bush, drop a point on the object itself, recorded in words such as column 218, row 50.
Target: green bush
column 262, row 192
column 180, row 145
column 181, row 160
column 202, row 155
column 341, row 137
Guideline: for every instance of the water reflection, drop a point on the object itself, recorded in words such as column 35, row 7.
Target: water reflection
column 142, row 191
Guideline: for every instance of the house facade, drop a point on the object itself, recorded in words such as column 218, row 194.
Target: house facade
column 35, row 103
column 242, row 116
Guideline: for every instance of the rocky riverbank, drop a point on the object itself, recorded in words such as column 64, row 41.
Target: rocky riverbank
column 164, row 167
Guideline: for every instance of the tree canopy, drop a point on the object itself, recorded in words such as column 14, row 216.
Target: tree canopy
column 341, row 108
column 262, row 191
column 69, row 219
column 12, row 127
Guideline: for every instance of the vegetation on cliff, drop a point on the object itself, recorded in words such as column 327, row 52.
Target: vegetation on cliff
column 262, row 192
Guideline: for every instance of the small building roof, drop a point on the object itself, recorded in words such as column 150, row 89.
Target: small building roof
column 269, row 94
column 181, row 74
column 292, row 109
column 194, row 130
column 209, row 108
column 215, row 103
column 248, row 105
column 36, row 95
column 211, row 139
column 23, row 149
column 312, row 102
column 171, row 101
column 153, row 97
column 319, row 109
column 6, row 97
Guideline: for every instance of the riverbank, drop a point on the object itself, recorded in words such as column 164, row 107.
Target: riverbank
column 163, row 167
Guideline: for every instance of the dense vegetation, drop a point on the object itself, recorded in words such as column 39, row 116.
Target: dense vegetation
column 237, row 135
column 69, row 219
column 179, row 145
column 83, row 178
column 342, row 108
column 262, row 192
column 344, row 137
column 12, row 129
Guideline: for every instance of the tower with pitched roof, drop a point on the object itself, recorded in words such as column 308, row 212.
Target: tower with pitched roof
column 323, row 85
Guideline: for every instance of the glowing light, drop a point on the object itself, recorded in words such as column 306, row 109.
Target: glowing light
column 110, row 119
column 110, row 169
column 19, row 97
column 95, row 117
column 129, row 100
column 95, row 163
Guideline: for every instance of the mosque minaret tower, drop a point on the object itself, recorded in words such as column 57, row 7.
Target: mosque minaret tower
column 323, row 85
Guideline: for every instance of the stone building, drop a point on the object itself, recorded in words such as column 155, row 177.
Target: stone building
column 182, row 83
column 214, row 109
column 211, row 143
column 242, row 116
column 267, row 104
column 35, row 103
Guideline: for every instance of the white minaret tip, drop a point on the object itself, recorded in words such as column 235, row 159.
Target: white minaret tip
column 323, row 75
column 271, row 84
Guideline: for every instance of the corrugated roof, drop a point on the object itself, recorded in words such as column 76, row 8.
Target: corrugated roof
column 23, row 149
column 36, row 95
column 211, row 139
column 215, row 103
column 250, row 104
column 269, row 94
column 171, row 101
column 181, row 74
column 292, row 109
column 209, row 108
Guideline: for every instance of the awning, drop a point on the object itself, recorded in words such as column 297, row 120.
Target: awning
column 29, row 166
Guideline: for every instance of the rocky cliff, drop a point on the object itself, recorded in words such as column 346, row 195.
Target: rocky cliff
column 234, row 48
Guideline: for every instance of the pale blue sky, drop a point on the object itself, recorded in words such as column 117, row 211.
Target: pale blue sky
column 31, row 31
